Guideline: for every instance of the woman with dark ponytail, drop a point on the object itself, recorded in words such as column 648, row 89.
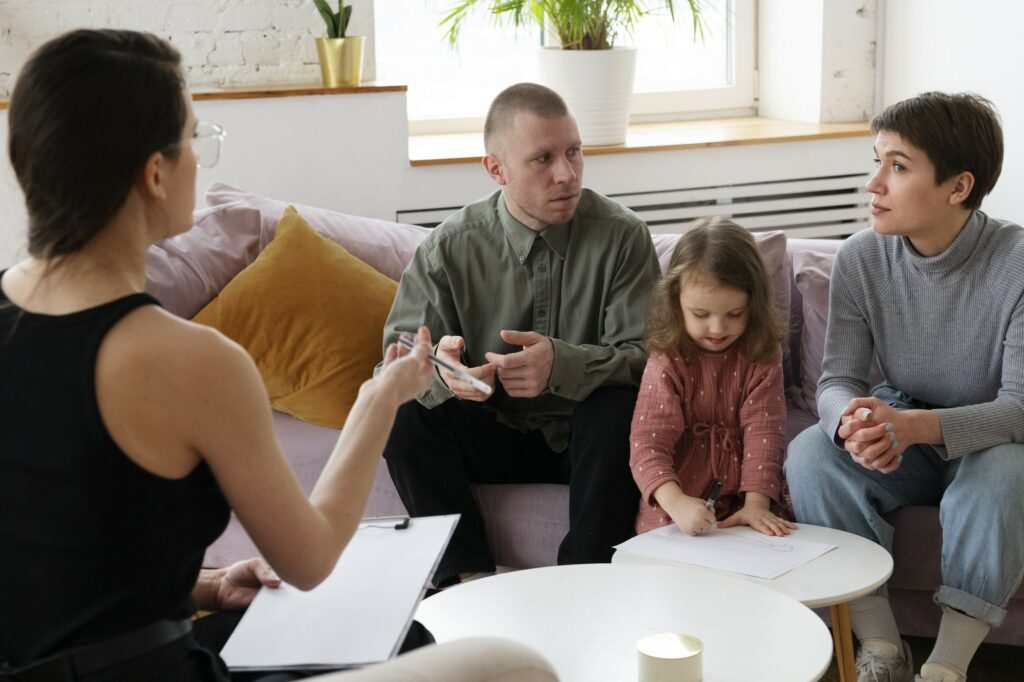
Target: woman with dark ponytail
column 128, row 434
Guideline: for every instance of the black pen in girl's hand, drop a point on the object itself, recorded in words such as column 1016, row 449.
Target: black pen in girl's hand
column 716, row 488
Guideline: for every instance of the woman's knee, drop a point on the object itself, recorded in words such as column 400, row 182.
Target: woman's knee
column 808, row 457
column 993, row 473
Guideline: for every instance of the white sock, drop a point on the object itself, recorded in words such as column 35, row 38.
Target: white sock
column 871, row 618
column 958, row 640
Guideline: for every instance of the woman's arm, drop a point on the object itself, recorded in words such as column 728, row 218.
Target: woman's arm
column 173, row 393
column 849, row 347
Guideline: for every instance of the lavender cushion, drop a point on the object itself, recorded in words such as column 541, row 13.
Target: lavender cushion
column 187, row 271
column 383, row 245
column 812, row 272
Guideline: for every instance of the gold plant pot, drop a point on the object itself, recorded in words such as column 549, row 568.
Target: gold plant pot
column 341, row 60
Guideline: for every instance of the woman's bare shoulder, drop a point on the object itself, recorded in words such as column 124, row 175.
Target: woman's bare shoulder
column 179, row 365
column 167, row 387
column 158, row 338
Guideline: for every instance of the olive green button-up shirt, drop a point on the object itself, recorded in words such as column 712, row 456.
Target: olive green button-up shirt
column 583, row 284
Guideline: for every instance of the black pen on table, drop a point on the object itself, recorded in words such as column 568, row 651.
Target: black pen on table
column 462, row 375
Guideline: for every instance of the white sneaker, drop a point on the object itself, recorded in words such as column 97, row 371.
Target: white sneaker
column 879, row 661
column 937, row 672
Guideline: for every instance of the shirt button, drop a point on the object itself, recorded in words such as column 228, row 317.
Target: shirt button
column 542, row 268
column 522, row 259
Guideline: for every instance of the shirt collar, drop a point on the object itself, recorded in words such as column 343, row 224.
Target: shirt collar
column 522, row 238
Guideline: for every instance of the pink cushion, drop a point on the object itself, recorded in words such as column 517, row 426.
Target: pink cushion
column 383, row 245
column 812, row 272
column 187, row 271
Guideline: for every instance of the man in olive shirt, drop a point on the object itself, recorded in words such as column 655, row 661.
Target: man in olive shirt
column 540, row 291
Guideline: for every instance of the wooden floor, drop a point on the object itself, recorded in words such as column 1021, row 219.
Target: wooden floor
column 993, row 662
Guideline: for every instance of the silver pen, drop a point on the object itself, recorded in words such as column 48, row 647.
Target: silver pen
column 461, row 374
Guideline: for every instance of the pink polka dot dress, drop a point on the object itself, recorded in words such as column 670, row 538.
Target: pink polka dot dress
column 718, row 417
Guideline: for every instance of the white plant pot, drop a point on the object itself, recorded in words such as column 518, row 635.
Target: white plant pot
column 596, row 84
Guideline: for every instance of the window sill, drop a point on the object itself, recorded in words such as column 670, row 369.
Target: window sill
column 280, row 90
column 436, row 150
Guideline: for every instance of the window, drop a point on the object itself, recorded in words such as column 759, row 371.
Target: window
column 449, row 90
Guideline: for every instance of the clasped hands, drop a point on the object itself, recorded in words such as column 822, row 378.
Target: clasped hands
column 875, row 434
column 523, row 374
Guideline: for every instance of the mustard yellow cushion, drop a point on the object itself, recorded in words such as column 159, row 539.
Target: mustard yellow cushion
column 312, row 317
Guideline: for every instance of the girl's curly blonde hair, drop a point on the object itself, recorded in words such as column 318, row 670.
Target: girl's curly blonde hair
column 720, row 250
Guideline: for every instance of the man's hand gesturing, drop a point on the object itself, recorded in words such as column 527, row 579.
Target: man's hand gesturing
column 524, row 374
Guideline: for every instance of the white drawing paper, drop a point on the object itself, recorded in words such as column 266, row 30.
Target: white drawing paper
column 739, row 549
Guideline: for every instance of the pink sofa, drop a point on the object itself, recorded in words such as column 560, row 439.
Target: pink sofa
column 525, row 523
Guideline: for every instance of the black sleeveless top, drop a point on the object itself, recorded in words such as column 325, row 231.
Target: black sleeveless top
column 91, row 544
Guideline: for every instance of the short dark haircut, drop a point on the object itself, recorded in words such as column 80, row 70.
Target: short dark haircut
column 529, row 97
column 721, row 250
column 959, row 132
column 87, row 111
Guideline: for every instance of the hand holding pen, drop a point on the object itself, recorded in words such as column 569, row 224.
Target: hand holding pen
column 692, row 515
column 468, row 383
column 406, row 367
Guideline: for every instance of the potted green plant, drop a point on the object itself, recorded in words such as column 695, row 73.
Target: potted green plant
column 585, row 67
column 341, row 55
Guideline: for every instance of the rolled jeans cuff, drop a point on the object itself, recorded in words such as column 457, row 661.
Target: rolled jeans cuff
column 973, row 606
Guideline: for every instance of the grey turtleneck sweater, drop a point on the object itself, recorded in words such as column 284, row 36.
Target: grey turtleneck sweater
column 948, row 330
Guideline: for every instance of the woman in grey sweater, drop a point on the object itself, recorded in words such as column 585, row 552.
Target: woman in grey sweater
column 936, row 291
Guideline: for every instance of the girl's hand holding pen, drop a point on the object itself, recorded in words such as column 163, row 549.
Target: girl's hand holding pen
column 408, row 371
column 690, row 513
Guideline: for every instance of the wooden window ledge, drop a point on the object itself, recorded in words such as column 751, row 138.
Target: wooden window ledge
column 433, row 150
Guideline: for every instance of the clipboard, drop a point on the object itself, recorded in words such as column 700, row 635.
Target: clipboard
column 359, row 615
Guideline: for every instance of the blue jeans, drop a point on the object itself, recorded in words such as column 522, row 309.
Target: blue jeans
column 978, row 496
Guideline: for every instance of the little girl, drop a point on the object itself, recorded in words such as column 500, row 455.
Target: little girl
column 711, row 406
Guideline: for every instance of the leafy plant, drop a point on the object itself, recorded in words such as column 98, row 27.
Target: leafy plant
column 578, row 24
column 336, row 22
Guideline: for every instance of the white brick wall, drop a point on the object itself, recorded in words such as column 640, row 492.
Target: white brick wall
column 222, row 42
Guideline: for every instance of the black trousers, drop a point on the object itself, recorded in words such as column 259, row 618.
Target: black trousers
column 434, row 455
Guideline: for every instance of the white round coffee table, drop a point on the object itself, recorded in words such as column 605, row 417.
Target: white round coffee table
column 855, row 568
column 587, row 618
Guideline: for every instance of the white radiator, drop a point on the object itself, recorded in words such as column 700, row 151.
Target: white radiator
column 831, row 206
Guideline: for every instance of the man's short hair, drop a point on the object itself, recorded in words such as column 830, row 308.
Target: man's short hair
column 529, row 97
column 959, row 132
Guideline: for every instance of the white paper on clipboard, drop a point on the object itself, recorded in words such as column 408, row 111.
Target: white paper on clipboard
column 358, row 615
